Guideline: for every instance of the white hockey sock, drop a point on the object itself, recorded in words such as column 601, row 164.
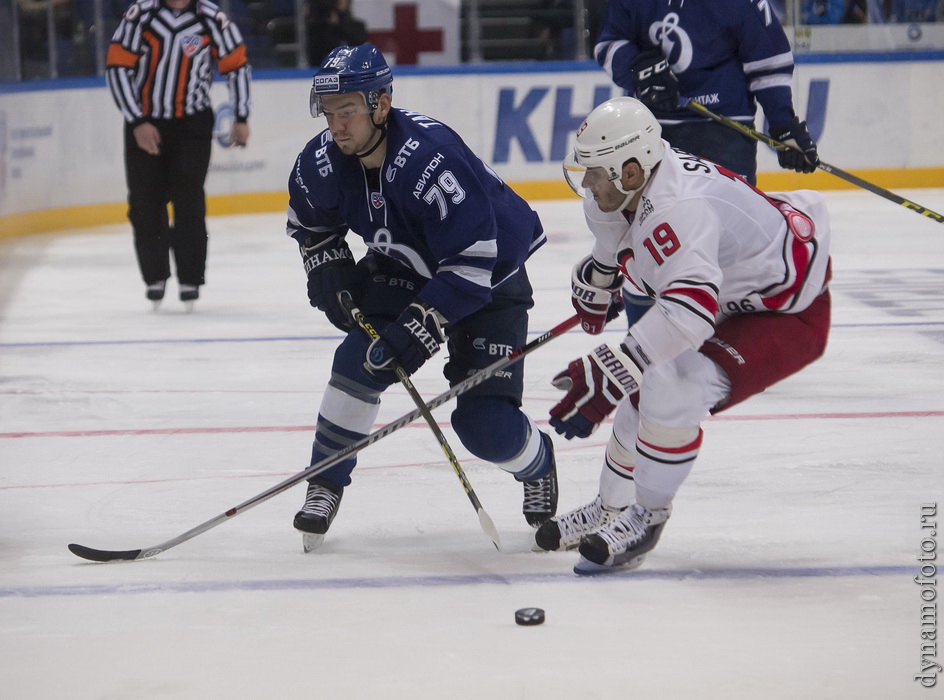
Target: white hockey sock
column 531, row 458
column 665, row 457
column 343, row 418
column 617, row 485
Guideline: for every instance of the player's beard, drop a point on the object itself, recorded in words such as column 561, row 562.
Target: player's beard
column 612, row 199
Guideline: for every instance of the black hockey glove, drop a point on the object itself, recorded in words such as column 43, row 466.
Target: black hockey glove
column 409, row 341
column 331, row 270
column 802, row 155
column 594, row 292
column 656, row 85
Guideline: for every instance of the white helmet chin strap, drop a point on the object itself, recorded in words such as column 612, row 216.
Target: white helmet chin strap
column 618, row 184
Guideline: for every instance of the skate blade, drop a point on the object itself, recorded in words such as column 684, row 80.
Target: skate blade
column 156, row 304
column 585, row 567
column 188, row 307
column 311, row 541
column 535, row 547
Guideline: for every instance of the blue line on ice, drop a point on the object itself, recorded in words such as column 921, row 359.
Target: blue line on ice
column 279, row 339
column 731, row 574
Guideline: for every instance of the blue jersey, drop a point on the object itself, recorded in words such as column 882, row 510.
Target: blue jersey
column 434, row 206
column 725, row 53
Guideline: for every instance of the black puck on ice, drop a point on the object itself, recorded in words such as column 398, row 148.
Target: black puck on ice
column 529, row 616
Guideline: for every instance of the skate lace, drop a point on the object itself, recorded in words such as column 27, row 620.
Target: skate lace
column 537, row 495
column 321, row 501
column 580, row 521
column 627, row 529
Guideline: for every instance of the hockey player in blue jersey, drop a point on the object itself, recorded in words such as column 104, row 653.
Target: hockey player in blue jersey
column 447, row 243
column 724, row 54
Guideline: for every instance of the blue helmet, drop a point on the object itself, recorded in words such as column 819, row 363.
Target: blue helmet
column 351, row 69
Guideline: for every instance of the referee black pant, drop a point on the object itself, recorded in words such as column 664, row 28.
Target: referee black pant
column 175, row 176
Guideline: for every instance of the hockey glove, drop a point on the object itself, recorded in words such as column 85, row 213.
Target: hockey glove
column 656, row 85
column 801, row 156
column 594, row 292
column 408, row 342
column 595, row 384
column 331, row 271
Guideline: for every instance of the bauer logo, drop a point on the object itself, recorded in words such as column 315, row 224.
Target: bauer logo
column 326, row 83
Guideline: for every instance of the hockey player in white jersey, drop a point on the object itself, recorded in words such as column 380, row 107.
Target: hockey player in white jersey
column 739, row 284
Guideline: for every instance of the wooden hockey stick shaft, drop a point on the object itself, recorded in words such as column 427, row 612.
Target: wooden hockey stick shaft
column 822, row 165
column 315, row 469
column 486, row 522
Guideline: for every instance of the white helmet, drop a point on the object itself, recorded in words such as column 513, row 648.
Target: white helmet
column 618, row 130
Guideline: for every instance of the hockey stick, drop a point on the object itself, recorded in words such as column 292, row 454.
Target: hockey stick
column 460, row 388
column 487, row 525
column 832, row 169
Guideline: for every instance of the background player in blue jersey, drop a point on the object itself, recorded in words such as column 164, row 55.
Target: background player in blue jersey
column 724, row 54
column 447, row 241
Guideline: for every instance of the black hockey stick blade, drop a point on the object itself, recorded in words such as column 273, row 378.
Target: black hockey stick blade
column 822, row 165
column 104, row 554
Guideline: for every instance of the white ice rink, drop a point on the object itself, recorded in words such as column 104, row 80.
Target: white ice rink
column 786, row 571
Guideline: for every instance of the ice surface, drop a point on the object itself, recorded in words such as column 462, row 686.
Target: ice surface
column 786, row 570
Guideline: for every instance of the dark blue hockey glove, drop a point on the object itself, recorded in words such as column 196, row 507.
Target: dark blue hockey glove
column 802, row 155
column 331, row 270
column 408, row 342
column 656, row 85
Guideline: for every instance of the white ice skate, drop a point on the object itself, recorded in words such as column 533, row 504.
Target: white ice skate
column 623, row 543
column 564, row 532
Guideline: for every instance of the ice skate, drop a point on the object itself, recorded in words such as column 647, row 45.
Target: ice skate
column 155, row 292
column 540, row 495
column 315, row 517
column 564, row 532
column 189, row 293
column 622, row 544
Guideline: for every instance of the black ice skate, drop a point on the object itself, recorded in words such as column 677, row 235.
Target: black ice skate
column 315, row 517
column 540, row 495
column 565, row 531
column 155, row 292
column 623, row 543
column 189, row 293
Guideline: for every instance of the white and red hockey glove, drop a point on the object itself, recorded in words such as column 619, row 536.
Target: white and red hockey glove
column 594, row 292
column 595, row 384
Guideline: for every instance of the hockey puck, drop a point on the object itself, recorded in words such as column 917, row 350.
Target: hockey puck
column 529, row 616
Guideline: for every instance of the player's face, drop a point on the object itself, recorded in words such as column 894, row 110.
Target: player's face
column 604, row 191
column 349, row 121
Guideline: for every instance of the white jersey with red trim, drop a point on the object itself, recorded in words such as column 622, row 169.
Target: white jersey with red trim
column 706, row 245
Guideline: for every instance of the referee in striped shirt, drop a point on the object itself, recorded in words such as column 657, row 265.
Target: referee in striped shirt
column 159, row 69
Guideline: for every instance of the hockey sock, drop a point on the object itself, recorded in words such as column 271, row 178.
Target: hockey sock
column 344, row 419
column 617, row 485
column 534, row 460
column 665, row 457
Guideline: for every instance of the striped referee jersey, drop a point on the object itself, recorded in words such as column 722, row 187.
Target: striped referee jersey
column 160, row 61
